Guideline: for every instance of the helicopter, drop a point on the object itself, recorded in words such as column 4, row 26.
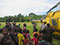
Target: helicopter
column 53, row 18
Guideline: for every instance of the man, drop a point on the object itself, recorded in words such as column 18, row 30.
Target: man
column 34, row 39
column 43, row 26
column 6, row 40
column 49, row 33
column 34, row 26
column 8, row 26
column 35, row 32
column 20, row 38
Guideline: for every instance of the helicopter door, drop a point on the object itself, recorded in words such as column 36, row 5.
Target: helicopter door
column 54, row 23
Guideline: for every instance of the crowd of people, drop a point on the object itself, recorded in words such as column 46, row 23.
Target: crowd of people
column 12, row 34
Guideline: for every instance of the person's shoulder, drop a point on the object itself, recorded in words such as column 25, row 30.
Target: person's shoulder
column 33, row 38
column 19, row 35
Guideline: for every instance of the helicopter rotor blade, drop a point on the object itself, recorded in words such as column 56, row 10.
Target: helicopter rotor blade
column 53, row 7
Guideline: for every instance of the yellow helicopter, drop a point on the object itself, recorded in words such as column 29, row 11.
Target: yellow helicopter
column 53, row 18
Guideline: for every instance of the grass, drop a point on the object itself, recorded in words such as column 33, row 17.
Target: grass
column 30, row 28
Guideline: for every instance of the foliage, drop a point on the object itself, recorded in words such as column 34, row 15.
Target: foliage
column 20, row 18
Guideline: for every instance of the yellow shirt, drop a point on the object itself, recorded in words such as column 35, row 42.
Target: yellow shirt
column 20, row 38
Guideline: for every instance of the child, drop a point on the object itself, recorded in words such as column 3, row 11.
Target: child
column 20, row 38
column 24, row 26
column 36, row 32
column 35, row 40
column 24, row 33
column 27, row 33
column 28, row 38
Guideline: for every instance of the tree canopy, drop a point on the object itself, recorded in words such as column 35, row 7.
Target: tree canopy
column 20, row 18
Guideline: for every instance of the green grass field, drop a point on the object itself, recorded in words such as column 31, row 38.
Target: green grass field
column 30, row 28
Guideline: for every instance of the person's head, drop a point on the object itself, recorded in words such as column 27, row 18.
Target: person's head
column 7, row 24
column 45, row 22
column 34, row 22
column 20, row 31
column 24, row 31
column 35, row 35
column 19, row 24
column 48, row 25
column 40, row 31
column 0, row 23
column 17, row 27
column 36, row 30
column 5, row 31
column 24, row 25
column 27, row 31
column 14, row 23
column 14, row 32
column 41, row 21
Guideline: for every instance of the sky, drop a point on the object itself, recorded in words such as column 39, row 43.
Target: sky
column 14, row 7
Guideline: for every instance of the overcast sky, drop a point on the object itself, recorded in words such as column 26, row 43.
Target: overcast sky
column 14, row 7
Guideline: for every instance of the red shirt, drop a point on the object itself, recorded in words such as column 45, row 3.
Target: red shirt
column 35, row 41
column 25, row 41
column 27, row 35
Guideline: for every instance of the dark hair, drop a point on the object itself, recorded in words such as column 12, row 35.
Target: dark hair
column 1, row 30
column 24, row 25
column 4, row 28
column 41, row 21
column 20, row 31
column 40, row 31
column 16, row 26
column 36, row 30
column 34, row 22
column 7, row 22
column 48, row 24
column 24, row 31
column 45, row 22
column 35, row 35
column 27, row 31
column 19, row 24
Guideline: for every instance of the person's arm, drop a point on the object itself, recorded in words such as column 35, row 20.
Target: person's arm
column 39, row 26
column 23, row 39
column 52, row 29
column 12, row 37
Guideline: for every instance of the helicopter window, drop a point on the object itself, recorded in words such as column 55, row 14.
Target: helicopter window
column 54, row 22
